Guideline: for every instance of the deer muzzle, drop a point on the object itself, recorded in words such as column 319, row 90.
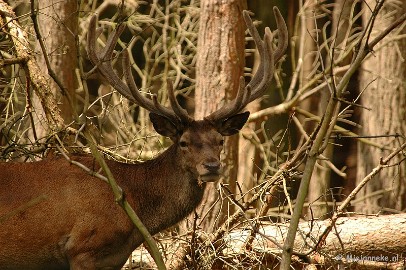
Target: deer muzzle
column 210, row 171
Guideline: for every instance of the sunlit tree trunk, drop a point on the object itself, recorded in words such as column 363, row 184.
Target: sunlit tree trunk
column 383, row 79
column 58, row 24
column 220, row 63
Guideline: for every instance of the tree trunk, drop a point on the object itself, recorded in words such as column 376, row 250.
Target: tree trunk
column 220, row 63
column 58, row 24
column 383, row 81
column 51, row 113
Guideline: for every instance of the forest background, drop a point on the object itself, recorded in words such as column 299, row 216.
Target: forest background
column 325, row 146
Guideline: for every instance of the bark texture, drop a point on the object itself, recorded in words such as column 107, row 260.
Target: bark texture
column 58, row 24
column 383, row 79
column 32, row 68
column 220, row 63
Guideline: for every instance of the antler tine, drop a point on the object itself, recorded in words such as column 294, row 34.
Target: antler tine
column 264, row 74
column 103, row 59
column 179, row 111
column 151, row 105
column 234, row 106
column 107, row 51
column 242, row 98
column 243, row 95
column 259, row 75
column 162, row 110
column 282, row 35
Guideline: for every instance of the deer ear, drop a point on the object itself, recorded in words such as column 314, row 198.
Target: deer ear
column 163, row 125
column 233, row 124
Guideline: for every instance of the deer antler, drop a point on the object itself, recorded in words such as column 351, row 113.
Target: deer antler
column 246, row 93
column 102, row 59
column 260, row 81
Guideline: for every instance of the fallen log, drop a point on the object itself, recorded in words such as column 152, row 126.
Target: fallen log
column 363, row 242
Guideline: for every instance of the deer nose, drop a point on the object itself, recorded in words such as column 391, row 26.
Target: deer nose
column 213, row 166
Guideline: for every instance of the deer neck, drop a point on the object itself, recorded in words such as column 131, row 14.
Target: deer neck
column 165, row 193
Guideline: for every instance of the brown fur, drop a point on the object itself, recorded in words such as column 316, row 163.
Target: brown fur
column 76, row 223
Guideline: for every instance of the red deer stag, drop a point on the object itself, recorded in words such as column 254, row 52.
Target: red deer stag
column 76, row 224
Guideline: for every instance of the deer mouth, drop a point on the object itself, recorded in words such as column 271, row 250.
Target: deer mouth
column 209, row 177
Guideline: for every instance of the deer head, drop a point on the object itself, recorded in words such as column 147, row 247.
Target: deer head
column 199, row 141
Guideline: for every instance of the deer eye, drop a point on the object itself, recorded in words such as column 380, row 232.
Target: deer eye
column 183, row 144
column 221, row 142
